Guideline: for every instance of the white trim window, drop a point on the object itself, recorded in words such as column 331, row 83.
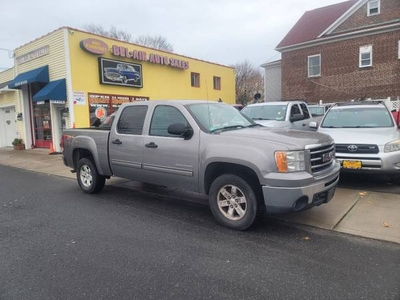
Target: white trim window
column 365, row 56
column 314, row 65
column 398, row 50
column 374, row 7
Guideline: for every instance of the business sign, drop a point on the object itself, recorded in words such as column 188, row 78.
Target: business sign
column 33, row 55
column 94, row 46
column 151, row 57
column 120, row 73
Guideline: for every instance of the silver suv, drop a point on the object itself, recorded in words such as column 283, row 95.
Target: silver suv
column 366, row 136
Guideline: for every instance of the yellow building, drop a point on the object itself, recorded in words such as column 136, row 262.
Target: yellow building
column 71, row 78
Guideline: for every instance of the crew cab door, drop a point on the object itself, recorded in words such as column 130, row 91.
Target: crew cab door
column 126, row 143
column 300, row 110
column 169, row 159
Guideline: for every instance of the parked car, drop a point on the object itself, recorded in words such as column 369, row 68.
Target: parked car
column 211, row 148
column 319, row 110
column 366, row 135
column 282, row 114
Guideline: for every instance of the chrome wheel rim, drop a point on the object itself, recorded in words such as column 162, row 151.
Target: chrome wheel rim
column 86, row 176
column 232, row 202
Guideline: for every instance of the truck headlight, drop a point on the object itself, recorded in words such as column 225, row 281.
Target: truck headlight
column 392, row 146
column 290, row 161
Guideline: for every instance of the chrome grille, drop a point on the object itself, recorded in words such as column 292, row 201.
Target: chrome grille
column 321, row 157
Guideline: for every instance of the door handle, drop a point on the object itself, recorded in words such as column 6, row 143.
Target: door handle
column 151, row 145
column 116, row 142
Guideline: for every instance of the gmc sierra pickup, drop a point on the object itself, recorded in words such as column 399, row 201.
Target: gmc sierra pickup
column 211, row 148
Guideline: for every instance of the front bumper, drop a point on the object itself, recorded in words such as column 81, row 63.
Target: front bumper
column 291, row 197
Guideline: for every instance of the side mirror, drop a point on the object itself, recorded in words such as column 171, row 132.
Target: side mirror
column 180, row 129
column 296, row 117
column 313, row 125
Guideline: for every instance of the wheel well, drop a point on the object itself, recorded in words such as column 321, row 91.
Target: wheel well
column 217, row 169
column 81, row 153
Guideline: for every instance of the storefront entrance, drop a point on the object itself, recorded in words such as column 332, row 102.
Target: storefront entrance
column 42, row 124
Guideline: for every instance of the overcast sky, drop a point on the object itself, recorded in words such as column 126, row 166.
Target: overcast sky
column 222, row 31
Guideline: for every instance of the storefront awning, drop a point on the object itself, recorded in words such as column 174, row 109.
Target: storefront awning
column 54, row 90
column 37, row 75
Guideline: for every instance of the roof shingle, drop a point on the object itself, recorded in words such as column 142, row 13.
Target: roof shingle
column 314, row 22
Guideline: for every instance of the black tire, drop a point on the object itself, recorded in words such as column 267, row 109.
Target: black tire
column 89, row 179
column 234, row 202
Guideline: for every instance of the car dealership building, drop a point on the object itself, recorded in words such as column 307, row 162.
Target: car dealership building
column 71, row 78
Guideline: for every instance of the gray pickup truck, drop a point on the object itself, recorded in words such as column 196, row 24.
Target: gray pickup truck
column 210, row 148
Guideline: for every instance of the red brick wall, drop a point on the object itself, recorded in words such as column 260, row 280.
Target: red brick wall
column 390, row 10
column 341, row 78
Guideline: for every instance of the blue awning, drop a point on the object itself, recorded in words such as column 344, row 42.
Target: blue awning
column 37, row 75
column 54, row 90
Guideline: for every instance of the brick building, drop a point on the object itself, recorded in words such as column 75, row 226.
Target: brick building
column 349, row 50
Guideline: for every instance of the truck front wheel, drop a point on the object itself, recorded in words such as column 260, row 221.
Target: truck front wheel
column 89, row 180
column 234, row 202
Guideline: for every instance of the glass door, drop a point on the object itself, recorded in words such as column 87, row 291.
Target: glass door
column 42, row 123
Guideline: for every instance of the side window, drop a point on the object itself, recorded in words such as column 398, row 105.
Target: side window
column 295, row 110
column 195, row 79
column 365, row 56
column 217, row 83
column 132, row 119
column 314, row 65
column 306, row 113
column 374, row 7
column 163, row 116
column 398, row 49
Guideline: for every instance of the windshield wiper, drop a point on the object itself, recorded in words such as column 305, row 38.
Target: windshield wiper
column 262, row 119
column 228, row 128
column 254, row 125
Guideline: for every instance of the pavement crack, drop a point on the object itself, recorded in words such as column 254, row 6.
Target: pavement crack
column 347, row 212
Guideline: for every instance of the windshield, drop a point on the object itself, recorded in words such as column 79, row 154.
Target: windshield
column 218, row 116
column 357, row 117
column 266, row 112
column 317, row 110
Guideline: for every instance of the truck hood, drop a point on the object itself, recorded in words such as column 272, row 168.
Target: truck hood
column 285, row 137
column 378, row 136
column 273, row 123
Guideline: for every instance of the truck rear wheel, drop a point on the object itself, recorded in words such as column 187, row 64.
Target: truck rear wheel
column 234, row 202
column 89, row 180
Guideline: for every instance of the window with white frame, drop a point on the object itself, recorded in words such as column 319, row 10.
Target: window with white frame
column 314, row 65
column 365, row 56
column 374, row 7
column 398, row 49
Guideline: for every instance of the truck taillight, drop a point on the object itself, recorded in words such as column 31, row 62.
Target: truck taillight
column 63, row 137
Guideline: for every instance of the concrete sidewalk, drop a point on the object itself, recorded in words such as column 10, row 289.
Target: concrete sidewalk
column 367, row 214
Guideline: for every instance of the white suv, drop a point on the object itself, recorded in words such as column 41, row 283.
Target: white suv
column 366, row 136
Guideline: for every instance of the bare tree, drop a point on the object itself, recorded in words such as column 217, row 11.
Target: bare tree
column 249, row 82
column 156, row 42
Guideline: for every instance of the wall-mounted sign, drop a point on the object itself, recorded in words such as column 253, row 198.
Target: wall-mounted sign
column 152, row 58
column 120, row 73
column 94, row 46
column 79, row 98
column 32, row 55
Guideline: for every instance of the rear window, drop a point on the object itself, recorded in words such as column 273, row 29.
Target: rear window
column 132, row 119
column 357, row 117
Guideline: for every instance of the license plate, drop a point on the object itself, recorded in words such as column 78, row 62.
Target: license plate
column 352, row 164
